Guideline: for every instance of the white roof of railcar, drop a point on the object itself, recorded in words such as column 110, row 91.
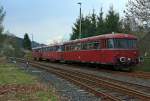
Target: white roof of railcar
column 47, row 46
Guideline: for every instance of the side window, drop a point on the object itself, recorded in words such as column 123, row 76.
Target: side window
column 49, row 48
column 84, row 46
column 96, row 45
column 62, row 47
column 90, row 45
column 54, row 48
column 41, row 49
column 44, row 49
column 59, row 48
column 110, row 43
column 67, row 48
column 77, row 46
column 71, row 47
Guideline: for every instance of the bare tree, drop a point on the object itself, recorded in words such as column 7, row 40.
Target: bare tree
column 139, row 9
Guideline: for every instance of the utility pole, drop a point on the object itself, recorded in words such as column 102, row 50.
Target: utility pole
column 80, row 30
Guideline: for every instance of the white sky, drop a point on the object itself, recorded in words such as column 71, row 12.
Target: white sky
column 50, row 20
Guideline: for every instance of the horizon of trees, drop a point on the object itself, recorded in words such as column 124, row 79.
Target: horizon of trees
column 136, row 21
column 94, row 24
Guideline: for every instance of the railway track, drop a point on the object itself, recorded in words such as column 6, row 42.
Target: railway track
column 76, row 80
column 137, row 74
column 105, row 88
column 144, row 75
column 133, row 85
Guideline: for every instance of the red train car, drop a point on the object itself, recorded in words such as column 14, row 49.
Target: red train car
column 52, row 53
column 110, row 49
column 37, row 53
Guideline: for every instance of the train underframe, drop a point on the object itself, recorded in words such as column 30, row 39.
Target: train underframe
column 119, row 64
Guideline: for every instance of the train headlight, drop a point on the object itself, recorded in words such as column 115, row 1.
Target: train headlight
column 122, row 59
column 129, row 59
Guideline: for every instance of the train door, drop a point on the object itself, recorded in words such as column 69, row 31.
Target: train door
column 103, row 51
column 61, row 50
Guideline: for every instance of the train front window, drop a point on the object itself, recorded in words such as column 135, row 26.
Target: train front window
column 122, row 43
column 110, row 43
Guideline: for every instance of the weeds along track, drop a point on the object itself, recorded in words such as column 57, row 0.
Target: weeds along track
column 107, row 89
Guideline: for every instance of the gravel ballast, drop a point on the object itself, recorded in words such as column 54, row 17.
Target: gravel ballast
column 66, row 90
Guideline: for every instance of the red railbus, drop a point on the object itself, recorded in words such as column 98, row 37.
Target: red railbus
column 52, row 53
column 110, row 49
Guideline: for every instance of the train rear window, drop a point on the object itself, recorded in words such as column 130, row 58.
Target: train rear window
column 122, row 43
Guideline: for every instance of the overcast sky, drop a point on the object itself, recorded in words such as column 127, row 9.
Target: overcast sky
column 50, row 20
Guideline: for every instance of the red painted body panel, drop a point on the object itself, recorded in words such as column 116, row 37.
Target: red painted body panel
column 52, row 55
column 37, row 55
column 103, row 56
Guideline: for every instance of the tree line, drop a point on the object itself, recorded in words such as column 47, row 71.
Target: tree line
column 93, row 24
column 136, row 13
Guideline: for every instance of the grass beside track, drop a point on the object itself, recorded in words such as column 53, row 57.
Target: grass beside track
column 145, row 66
column 11, row 75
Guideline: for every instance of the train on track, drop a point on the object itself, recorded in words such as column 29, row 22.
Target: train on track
column 110, row 49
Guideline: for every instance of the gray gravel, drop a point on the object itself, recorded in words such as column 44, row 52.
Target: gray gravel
column 64, row 88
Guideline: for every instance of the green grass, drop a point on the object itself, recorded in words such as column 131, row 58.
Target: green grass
column 37, row 96
column 10, row 74
column 46, row 96
column 145, row 66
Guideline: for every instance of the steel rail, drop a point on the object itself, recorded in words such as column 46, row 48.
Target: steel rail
column 115, row 86
column 79, row 81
